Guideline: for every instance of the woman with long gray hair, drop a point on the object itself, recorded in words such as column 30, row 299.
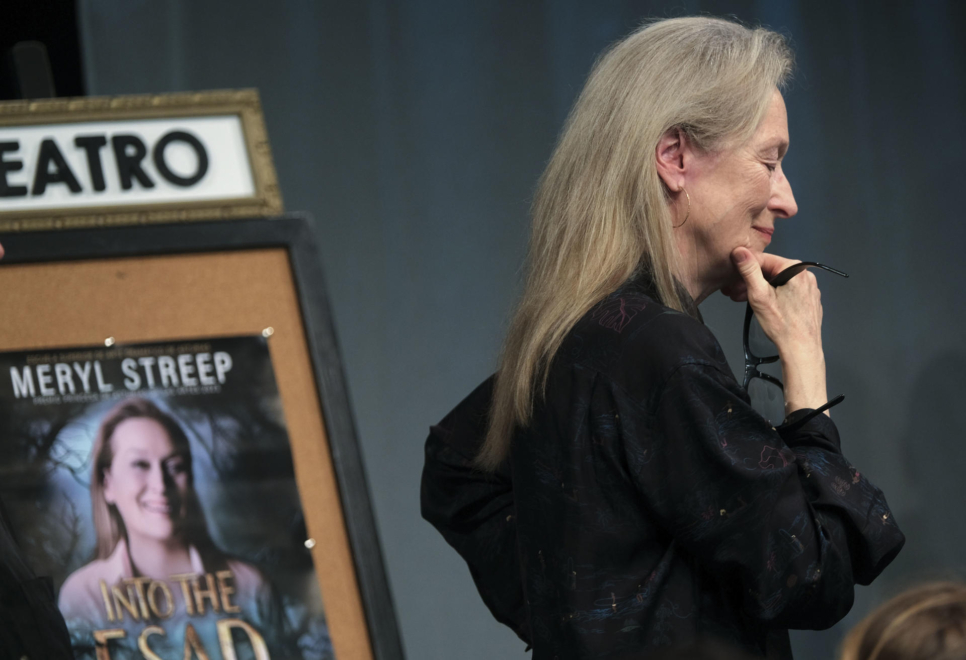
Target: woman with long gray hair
column 611, row 487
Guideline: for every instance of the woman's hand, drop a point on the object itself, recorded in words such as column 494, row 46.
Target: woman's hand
column 791, row 316
column 1, row 251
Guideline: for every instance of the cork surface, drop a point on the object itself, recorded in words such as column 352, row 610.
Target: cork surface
column 183, row 297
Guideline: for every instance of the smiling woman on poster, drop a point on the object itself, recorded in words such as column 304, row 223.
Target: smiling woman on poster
column 149, row 525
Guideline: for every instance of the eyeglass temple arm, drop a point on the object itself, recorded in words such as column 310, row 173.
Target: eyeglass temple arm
column 812, row 415
column 793, row 270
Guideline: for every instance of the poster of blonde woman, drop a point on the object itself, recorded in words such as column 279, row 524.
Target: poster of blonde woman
column 154, row 483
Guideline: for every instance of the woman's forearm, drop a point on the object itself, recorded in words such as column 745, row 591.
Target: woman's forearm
column 803, row 374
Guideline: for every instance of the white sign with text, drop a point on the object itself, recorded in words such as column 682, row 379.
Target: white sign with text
column 116, row 163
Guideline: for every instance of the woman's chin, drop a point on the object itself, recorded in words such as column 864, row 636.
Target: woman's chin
column 160, row 532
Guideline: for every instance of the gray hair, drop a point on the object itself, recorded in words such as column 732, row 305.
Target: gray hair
column 601, row 212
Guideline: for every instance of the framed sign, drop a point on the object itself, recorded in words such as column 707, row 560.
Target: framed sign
column 178, row 452
column 81, row 162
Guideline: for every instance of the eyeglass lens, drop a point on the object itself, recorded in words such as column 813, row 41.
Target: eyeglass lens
column 768, row 400
column 758, row 342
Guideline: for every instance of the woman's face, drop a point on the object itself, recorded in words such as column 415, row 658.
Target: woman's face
column 736, row 197
column 147, row 480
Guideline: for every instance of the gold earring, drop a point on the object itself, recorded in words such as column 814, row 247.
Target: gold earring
column 688, row 214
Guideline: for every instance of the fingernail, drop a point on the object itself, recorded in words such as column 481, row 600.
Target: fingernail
column 739, row 256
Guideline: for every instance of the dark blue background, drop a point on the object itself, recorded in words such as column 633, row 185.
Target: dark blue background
column 415, row 133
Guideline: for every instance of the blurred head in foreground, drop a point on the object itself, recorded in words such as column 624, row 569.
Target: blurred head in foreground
column 925, row 623
column 705, row 649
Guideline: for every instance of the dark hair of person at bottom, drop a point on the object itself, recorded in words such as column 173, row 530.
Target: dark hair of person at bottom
column 704, row 649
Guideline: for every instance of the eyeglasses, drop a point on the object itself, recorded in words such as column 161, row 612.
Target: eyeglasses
column 765, row 390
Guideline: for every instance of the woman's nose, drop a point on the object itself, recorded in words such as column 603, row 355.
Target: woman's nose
column 156, row 479
column 783, row 200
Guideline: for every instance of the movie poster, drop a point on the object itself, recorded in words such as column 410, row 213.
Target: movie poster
column 154, row 483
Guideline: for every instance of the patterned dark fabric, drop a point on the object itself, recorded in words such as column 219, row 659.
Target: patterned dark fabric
column 648, row 504
column 31, row 626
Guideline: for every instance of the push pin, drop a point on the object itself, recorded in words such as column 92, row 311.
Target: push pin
column 268, row 332
column 309, row 543
column 110, row 341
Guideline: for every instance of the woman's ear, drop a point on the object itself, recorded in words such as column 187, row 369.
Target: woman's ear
column 108, row 490
column 672, row 158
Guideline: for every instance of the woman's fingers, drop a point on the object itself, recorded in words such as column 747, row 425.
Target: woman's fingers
column 772, row 264
column 757, row 288
column 1, row 251
column 769, row 264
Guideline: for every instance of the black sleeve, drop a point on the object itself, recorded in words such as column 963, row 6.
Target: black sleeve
column 788, row 522
column 473, row 510
column 834, row 485
column 30, row 623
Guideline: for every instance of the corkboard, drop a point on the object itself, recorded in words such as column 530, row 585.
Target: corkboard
column 196, row 296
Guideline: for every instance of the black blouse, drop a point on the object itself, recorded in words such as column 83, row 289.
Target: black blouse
column 30, row 625
column 647, row 503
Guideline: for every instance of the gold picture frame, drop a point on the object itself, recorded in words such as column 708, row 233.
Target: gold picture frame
column 212, row 281
column 245, row 103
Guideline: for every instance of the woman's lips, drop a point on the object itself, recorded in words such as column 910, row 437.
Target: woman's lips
column 766, row 232
column 157, row 507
